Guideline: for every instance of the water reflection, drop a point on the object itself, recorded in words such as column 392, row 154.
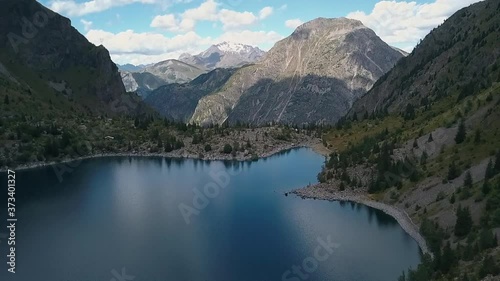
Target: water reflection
column 124, row 212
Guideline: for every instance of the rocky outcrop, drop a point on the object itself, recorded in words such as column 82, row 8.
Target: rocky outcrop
column 313, row 76
column 142, row 83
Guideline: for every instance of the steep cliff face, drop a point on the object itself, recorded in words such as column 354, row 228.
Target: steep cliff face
column 142, row 83
column 40, row 46
column 178, row 101
column 313, row 76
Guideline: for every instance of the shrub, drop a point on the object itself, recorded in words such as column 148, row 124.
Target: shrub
column 227, row 149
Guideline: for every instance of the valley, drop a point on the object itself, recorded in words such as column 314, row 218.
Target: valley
column 412, row 138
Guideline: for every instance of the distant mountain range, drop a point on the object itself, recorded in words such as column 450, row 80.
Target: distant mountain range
column 130, row 67
column 145, row 78
column 224, row 55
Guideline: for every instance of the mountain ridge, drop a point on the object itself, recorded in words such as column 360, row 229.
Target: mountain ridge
column 224, row 55
column 321, row 49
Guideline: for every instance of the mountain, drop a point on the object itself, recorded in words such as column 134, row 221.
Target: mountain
column 130, row 67
column 141, row 82
column 224, row 55
column 425, row 140
column 146, row 78
column 60, row 95
column 178, row 101
column 456, row 57
column 43, row 52
column 174, row 71
column 311, row 77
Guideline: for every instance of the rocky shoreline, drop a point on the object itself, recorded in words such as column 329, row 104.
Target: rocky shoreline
column 327, row 192
column 316, row 146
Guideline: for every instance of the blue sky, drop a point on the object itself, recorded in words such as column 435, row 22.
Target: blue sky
column 146, row 31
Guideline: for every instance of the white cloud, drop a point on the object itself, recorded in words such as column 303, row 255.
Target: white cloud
column 187, row 20
column 403, row 24
column 206, row 11
column 144, row 48
column 73, row 8
column 166, row 21
column 266, row 12
column 232, row 19
column 130, row 42
column 209, row 11
column 293, row 23
column 283, row 7
column 87, row 25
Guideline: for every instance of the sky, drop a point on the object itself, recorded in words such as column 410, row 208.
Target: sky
column 149, row 31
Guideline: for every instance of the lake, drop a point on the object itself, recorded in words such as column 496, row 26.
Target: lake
column 156, row 219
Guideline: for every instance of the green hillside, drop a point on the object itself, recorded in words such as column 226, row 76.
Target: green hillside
column 426, row 138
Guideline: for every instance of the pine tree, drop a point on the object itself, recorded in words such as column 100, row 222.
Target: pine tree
column 453, row 171
column 486, row 187
column 409, row 112
column 490, row 171
column 423, row 158
column 431, row 139
column 464, row 222
column 447, row 259
column 468, row 180
column 461, row 133
column 6, row 99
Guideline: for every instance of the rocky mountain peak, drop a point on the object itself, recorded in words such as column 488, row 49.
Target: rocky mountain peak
column 327, row 27
column 224, row 55
column 313, row 76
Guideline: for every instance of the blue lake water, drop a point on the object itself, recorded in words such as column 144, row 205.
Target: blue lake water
column 120, row 219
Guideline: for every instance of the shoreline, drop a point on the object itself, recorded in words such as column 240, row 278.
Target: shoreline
column 317, row 147
column 323, row 192
column 317, row 191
